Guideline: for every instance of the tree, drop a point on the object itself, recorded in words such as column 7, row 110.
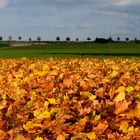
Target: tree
column 57, row 38
column 10, row 38
column 110, row 39
column 77, row 39
column 88, row 38
column 1, row 38
column 118, row 39
column 39, row 38
column 68, row 39
column 30, row 39
column 19, row 38
column 136, row 40
column 127, row 39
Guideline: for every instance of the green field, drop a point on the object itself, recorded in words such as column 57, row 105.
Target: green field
column 68, row 50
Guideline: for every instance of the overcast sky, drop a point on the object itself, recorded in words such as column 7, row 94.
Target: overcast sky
column 74, row 18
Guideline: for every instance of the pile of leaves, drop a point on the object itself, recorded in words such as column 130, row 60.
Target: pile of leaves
column 69, row 99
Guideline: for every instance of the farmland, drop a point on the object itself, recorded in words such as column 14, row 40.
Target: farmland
column 68, row 50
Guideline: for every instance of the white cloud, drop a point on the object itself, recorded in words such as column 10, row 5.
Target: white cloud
column 124, row 2
column 3, row 3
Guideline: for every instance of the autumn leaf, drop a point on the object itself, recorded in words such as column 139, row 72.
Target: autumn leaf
column 120, row 96
column 2, row 124
column 91, row 136
column 32, row 127
column 46, row 99
column 22, row 137
column 2, row 135
column 84, row 85
column 39, row 114
column 121, row 107
column 114, row 74
column 101, row 127
column 60, row 137
column 67, row 82
column 52, row 101
column 129, row 89
column 124, row 126
column 39, row 138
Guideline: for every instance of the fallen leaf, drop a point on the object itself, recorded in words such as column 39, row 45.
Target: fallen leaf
column 101, row 127
column 2, row 135
column 120, row 96
column 60, row 137
column 91, row 136
column 121, row 107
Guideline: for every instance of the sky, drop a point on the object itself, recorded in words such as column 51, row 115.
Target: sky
column 73, row 18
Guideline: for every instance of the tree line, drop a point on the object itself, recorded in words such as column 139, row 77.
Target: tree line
column 68, row 39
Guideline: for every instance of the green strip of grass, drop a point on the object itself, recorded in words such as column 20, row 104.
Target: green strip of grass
column 68, row 50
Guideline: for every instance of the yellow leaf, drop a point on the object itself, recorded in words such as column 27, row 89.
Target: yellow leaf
column 54, row 72
column 46, row 104
column 4, row 96
column 97, row 119
column 91, row 136
column 52, row 100
column 41, row 114
column 60, row 137
column 39, row 138
column 121, row 89
column 54, row 110
column 92, row 97
column 131, row 129
column 120, row 97
column 29, row 126
column 124, row 126
column 45, row 67
column 40, row 73
column 129, row 89
column 66, row 97
column 61, row 75
column 74, row 100
column 114, row 74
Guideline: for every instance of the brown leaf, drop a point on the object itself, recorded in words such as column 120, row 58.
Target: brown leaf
column 121, row 107
column 101, row 127
column 2, row 135
column 2, row 124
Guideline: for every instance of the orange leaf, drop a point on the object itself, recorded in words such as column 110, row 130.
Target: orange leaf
column 101, row 127
column 60, row 137
column 21, row 137
column 111, row 137
column 2, row 135
column 49, row 86
column 84, row 85
column 2, row 123
column 68, row 82
column 121, row 107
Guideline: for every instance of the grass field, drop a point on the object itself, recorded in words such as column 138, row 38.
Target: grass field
column 68, row 50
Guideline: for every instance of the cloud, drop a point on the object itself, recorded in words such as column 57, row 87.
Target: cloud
column 3, row 3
